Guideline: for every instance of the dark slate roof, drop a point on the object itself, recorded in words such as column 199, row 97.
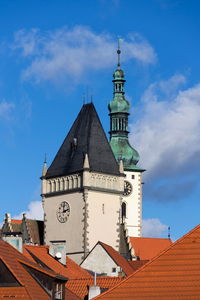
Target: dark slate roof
column 91, row 139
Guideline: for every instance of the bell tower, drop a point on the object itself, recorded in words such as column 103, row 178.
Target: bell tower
column 82, row 188
column 132, row 197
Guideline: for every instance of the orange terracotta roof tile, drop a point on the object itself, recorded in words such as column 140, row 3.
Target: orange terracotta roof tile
column 13, row 260
column 174, row 274
column 120, row 260
column 16, row 221
column 39, row 268
column 147, row 248
column 70, row 296
column 14, row 293
column 71, row 270
column 80, row 286
column 27, row 254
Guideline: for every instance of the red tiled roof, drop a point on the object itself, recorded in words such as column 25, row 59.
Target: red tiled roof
column 39, row 268
column 14, row 261
column 80, row 286
column 27, row 254
column 174, row 274
column 14, row 293
column 16, row 221
column 71, row 271
column 147, row 248
column 136, row 264
column 70, row 296
column 120, row 260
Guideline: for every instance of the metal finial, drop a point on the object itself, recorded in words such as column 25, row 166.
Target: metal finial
column 87, row 94
column 118, row 51
column 169, row 234
column 91, row 98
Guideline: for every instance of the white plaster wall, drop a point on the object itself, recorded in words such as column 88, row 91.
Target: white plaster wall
column 103, row 218
column 100, row 262
column 134, row 204
column 72, row 230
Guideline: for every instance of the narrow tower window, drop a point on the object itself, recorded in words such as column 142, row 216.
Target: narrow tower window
column 123, row 210
column 103, row 208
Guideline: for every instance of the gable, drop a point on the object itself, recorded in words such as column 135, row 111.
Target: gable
column 99, row 261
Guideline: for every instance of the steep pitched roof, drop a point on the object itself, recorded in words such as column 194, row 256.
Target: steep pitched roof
column 147, row 248
column 14, row 226
column 29, row 287
column 174, row 274
column 41, row 254
column 89, row 138
column 80, row 286
column 120, row 260
column 35, row 230
column 14, row 293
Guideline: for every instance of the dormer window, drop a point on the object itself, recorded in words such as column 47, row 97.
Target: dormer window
column 59, row 291
column 6, row 277
column 53, row 286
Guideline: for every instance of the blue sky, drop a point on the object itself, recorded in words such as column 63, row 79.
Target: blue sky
column 52, row 53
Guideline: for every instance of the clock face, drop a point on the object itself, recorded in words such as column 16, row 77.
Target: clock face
column 127, row 188
column 63, row 212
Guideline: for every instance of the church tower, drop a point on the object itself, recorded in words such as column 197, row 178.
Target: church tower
column 123, row 151
column 82, row 189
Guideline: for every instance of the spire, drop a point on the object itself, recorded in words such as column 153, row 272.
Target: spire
column 118, row 52
column 119, row 103
column 86, row 164
column 119, row 112
column 44, row 171
column 90, row 138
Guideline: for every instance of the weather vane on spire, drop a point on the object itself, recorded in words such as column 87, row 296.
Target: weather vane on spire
column 118, row 50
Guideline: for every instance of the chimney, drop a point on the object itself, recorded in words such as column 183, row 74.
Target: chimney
column 94, row 290
column 15, row 241
column 57, row 249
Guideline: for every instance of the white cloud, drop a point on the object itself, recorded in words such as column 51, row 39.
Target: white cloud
column 5, row 109
column 71, row 52
column 154, row 228
column 34, row 211
column 166, row 133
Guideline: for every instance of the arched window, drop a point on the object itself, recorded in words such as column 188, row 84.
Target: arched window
column 58, row 188
column 54, row 186
column 50, row 186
